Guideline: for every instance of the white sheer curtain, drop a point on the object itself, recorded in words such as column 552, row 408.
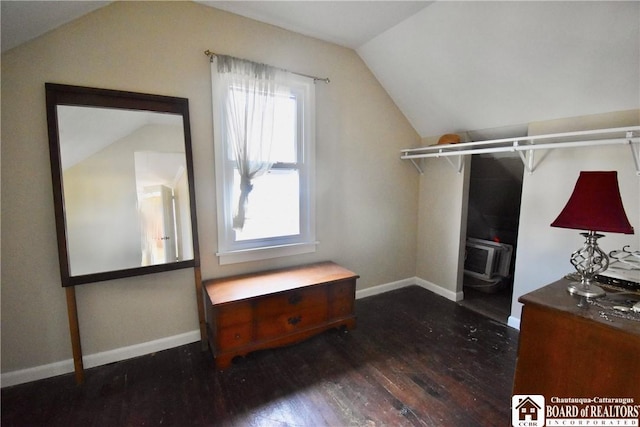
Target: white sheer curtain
column 248, row 93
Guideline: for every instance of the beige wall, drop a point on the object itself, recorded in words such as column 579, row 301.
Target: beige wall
column 442, row 222
column 543, row 252
column 366, row 197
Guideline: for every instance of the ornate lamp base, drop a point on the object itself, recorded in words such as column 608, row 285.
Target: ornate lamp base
column 590, row 291
column 589, row 261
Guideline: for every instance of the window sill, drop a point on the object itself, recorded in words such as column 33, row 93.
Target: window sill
column 233, row 257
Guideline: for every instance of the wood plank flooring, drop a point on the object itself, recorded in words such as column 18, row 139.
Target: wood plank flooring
column 496, row 306
column 415, row 359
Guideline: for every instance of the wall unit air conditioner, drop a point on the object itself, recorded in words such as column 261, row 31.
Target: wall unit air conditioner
column 487, row 260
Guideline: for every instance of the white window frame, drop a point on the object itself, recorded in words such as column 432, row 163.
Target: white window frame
column 231, row 251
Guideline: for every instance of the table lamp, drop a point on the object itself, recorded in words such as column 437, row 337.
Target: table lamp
column 594, row 206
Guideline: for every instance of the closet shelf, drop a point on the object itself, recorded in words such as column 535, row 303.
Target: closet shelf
column 526, row 146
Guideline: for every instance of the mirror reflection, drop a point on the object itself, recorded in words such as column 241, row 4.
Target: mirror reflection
column 126, row 190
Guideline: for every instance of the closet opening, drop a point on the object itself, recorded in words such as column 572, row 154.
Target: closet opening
column 495, row 190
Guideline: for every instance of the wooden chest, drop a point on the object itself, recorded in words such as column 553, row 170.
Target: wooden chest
column 275, row 308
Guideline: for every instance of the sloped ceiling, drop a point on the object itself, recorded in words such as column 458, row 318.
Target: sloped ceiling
column 453, row 66
column 25, row 19
column 346, row 23
column 457, row 66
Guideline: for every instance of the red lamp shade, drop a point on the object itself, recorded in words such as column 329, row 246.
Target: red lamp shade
column 595, row 205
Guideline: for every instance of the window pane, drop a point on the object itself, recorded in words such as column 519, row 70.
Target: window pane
column 274, row 205
column 283, row 148
column 284, row 143
column 249, row 116
column 280, row 210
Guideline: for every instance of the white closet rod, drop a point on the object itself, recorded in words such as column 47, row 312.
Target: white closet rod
column 525, row 145
column 516, row 146
column 533, row 138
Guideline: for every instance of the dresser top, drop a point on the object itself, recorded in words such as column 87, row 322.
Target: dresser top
column 556, row 297
column 247, row 286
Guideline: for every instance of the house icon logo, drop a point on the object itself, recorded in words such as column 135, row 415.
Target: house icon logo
column 527, row 410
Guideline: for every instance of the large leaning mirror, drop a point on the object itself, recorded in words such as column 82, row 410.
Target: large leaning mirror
column 123, row 183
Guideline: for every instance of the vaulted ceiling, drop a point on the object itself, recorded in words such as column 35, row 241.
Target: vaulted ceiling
column 456, row 66
column 449, row 66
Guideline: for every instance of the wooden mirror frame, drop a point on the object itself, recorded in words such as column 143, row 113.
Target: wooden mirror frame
column 59, row 94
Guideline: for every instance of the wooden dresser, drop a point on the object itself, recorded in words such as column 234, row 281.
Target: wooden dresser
column 275, row 308
column 567, row 350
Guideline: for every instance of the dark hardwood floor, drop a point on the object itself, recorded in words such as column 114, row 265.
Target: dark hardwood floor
column 415, row 359
column 496, row 305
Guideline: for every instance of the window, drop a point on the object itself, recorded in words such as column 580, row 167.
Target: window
column 279, row 216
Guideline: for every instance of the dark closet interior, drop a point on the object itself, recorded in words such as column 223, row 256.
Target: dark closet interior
column 495, row 190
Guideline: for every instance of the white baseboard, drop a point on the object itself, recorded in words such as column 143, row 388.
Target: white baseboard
column 97, row 359
column 514, row 322
column 379, row 289
column 37, row 373
column 386, row 287
column 437, row 289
